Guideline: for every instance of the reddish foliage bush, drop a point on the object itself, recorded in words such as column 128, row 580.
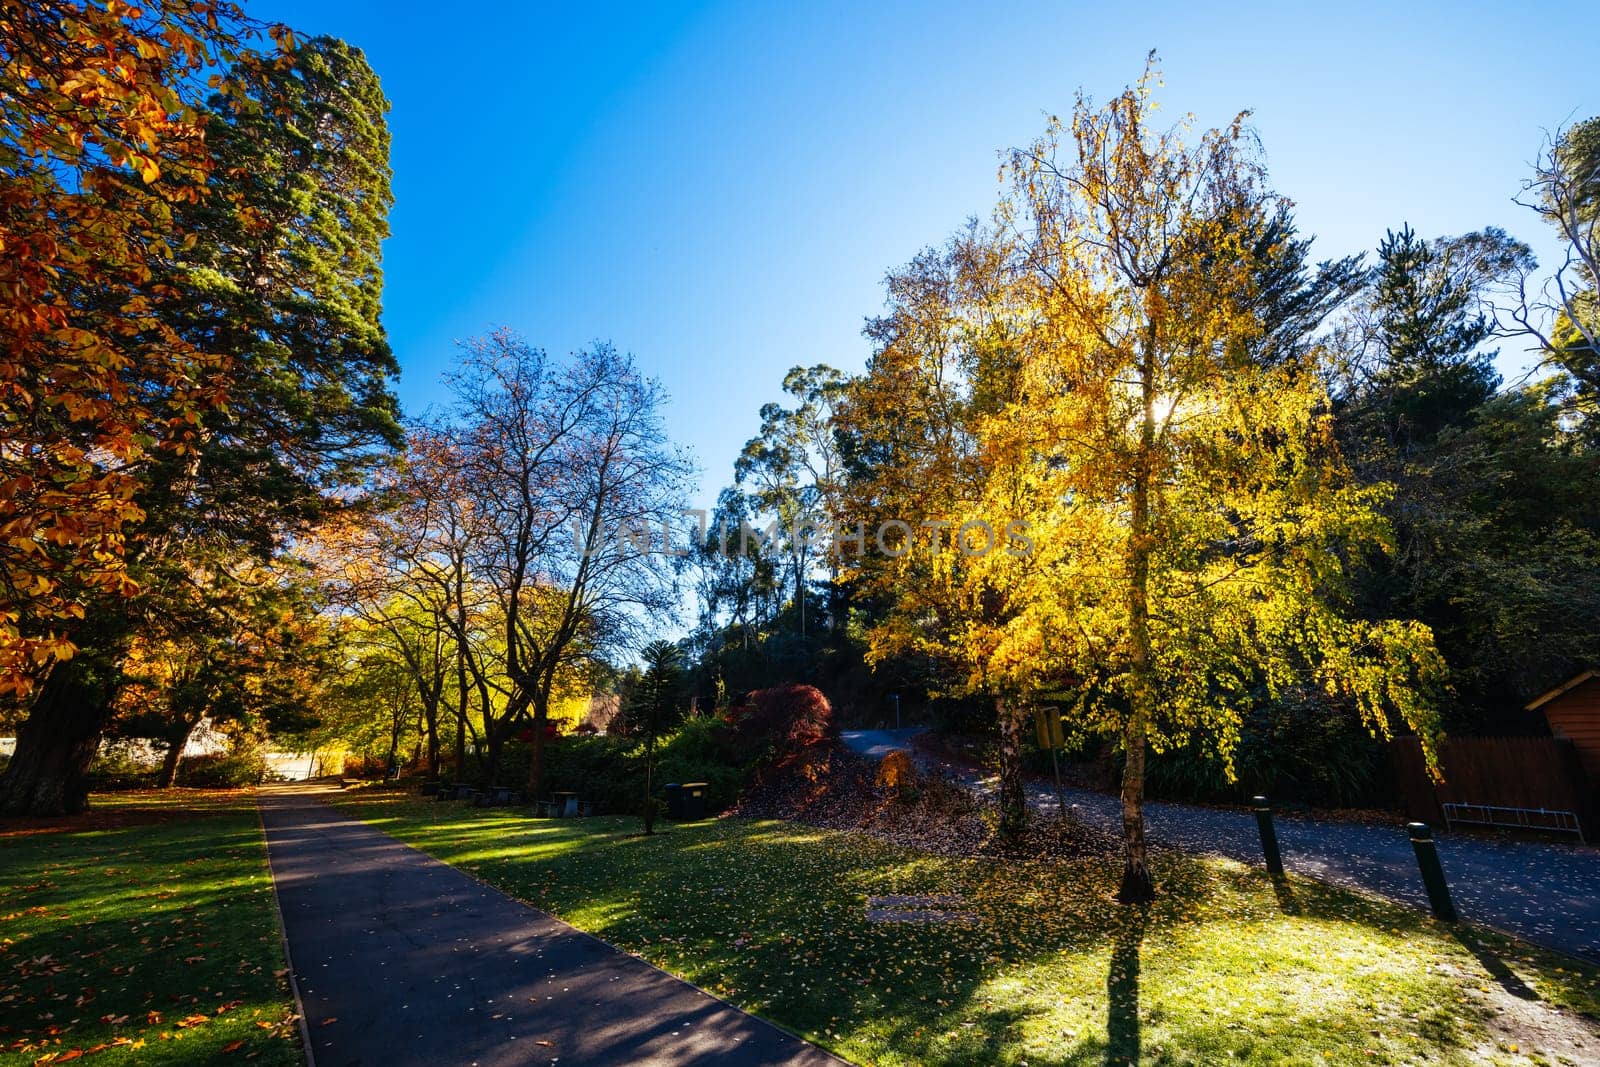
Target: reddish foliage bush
column 788, row 717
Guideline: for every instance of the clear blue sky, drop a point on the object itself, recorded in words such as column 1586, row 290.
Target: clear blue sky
column 719, row 189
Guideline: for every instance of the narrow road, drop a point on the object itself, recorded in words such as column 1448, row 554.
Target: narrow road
column 1547, row 892
column 402, row 960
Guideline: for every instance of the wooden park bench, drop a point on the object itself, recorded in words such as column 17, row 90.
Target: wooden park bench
column 1513, row 818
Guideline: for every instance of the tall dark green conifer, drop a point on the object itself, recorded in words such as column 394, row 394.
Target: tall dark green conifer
column 286, row 279
column 655, row 709
column 1432, row 372
column 1492, row 506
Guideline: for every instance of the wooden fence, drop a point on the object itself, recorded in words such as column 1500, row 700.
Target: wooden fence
column 1512, row 772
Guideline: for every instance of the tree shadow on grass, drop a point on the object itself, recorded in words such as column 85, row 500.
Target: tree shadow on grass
column 1503, row 975
column 1328, row 903
column 1122, row 990
column 1288, row 903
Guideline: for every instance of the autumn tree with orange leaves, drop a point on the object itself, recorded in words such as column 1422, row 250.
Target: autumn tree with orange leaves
column 162, row 214
column 102, row 138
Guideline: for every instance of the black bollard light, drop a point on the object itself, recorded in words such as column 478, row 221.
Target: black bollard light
column 1269, row 835
column 1422, row 842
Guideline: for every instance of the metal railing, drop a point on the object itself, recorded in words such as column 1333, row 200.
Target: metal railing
column 1519, row 818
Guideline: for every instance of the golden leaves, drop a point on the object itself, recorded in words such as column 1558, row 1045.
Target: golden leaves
column 1095, row 365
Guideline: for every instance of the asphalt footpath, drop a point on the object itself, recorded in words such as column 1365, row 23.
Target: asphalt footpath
column 400, row 959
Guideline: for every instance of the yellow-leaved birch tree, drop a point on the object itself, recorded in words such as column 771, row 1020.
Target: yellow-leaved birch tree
column 1193, row 522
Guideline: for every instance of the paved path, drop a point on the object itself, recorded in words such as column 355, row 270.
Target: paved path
column 401, row 960
column 1547, row 892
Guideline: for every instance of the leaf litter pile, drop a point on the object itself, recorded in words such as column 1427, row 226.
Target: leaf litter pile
column 142, row 932
column 1039, row 965
column 831, row 787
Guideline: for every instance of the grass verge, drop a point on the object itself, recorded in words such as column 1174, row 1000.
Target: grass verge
column 1227, row 967
column 142, row 932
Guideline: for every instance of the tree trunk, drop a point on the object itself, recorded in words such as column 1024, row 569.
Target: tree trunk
column 649, row 769
column 1137, row 886
column 48, row 773
column 1013, row 796
column 174, row 756
column 461, row 745
column 800, row 590
column 463, row 650
column 391, row 765
column 494, row 743
column 541, row 715
column 432, row 733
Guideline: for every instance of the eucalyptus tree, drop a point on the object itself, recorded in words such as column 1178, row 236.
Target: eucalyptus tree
column 791, row 469
column 1562, row 313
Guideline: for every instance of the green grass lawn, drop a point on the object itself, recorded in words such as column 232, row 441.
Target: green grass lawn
column 143, row 932
column 1226, row 968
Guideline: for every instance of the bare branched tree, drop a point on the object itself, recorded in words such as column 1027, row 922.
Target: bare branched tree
column 577, row 485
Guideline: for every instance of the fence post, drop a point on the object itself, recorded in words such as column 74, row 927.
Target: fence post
column 1269, row 835
column 1427, row 852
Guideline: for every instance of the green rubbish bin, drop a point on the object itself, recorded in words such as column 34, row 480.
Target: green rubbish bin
column 674, row 795
column 694, row 801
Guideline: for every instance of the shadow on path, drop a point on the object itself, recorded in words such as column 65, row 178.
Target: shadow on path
column 403, row 960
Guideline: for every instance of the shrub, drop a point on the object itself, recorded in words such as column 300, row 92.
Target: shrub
column 781, row 720
column 602, row 770
column 704, row 750
column 117, row 766
column 366, row 765
column 231, row 770
column 895, row 772
column 1299, row 749
column 609, row 771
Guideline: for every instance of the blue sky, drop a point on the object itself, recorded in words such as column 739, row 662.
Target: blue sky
column 720, row 188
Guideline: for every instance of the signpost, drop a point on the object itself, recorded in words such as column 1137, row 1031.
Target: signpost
column 1050, row 734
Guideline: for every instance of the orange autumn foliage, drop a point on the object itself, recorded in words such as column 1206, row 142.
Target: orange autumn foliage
column 102, row 136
